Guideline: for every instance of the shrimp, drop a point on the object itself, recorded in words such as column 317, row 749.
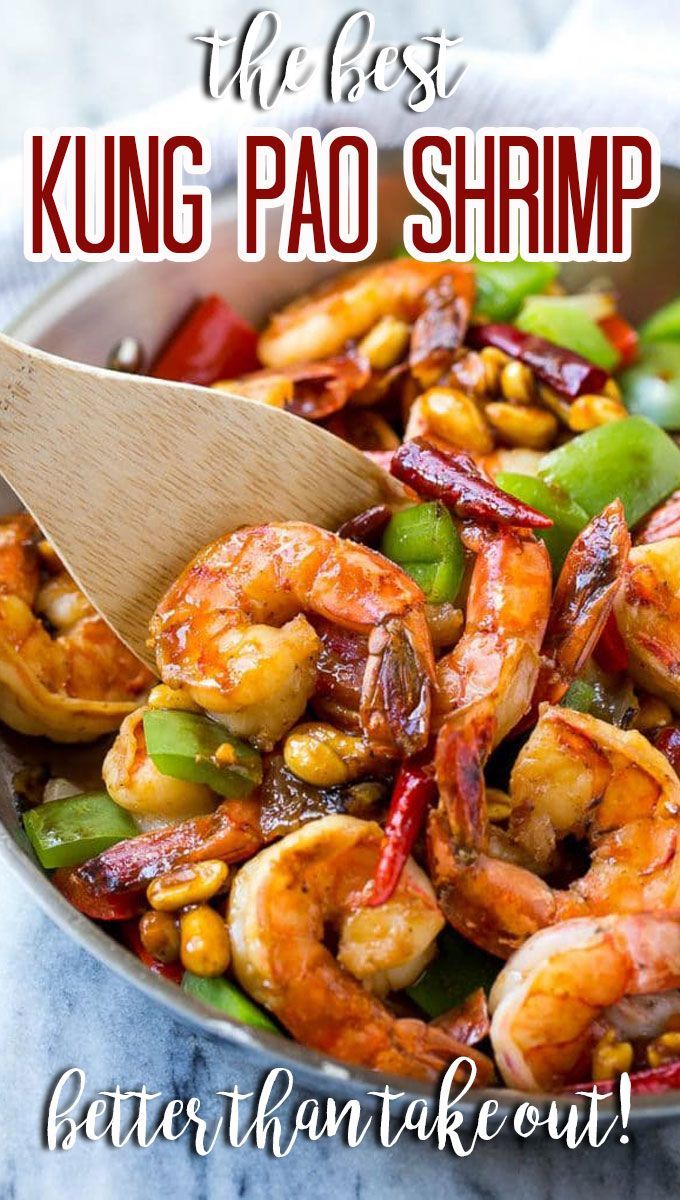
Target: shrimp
column 281, row 905
column 111, row 886
column 576, row 777
column 63, row 672
column 132, row 780
column 507, row 611
column 233, row 633
column 589, row 582
column 647, row 613
column 320, row 324
column 549, row 998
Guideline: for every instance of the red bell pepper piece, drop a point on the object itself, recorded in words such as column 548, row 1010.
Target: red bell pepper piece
column 414, row 791
column 667, row 740
column 642, row 1083
column 212, row 343
column 453, row 477
column 129, row 932
column 622, row 336
column 610, row 652
column 566, row 373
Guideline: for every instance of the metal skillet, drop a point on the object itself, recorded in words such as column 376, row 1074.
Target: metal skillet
column 81, row 317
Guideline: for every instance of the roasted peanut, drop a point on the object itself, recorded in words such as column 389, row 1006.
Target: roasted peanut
column 517, row 382
column 499, row 805
column 469, row 373
column 325, row 756
column 522, row 424
column 386, row 343
column 159, row 933
column 450, row 414
column 590, row 410
column 204, row 941
column 445, row 623
column 187, row 883
column 274, row 390
column 664, row 1049
column 494, row 361
column 611, row 1057
column 652, row 713
column 612, row 389
column 162, row 696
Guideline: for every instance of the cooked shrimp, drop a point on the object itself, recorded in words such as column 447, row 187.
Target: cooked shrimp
column 576, row 777
column 233, row 633
column 280, row 906
column 507, row 609
column 321, row 323
column 589, row 582
column 548, row 1000
column 71, row 684
column 111, row 886
column 132, row 780
column 648, row 616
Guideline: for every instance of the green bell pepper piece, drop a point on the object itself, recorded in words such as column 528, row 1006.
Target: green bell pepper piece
column 663, row 324
column 458, row 969
column 184, row 745
column 633, row 460
column 567, row 325
column 424, row 542
column 580, row 697
column 65, row 833
column 652, row 387
column 502, row 286
column 227, row 998
column 569, row 518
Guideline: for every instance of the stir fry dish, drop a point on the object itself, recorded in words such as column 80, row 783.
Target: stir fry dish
column 408, row 790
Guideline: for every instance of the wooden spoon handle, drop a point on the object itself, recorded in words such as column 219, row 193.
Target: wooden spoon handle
column 129, row 477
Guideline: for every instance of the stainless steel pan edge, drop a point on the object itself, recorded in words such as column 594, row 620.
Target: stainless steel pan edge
column 80, row 317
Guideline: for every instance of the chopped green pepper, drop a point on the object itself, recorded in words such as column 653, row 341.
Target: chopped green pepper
column 568, row 517
column 424, row 541
column 65, row 833
column 580, row 696
column 633, row 460
column 652, row 387
column 566, row 324
column 502, row 286
column 457, row 970
column 190, row 746
column 225, row 996
column 663, row 324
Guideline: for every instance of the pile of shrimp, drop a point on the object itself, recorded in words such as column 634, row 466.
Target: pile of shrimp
column 421, row 763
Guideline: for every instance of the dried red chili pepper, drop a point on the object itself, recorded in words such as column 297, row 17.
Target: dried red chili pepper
column 667, row 740
column 439, row 331
column 212, row 343
column 662, row 522
column 565, row 372
column 414, row 792
column 323, row 388
column 367, row 526
column 453, row 477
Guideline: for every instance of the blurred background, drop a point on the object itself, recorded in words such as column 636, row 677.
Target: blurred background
column 89, row 61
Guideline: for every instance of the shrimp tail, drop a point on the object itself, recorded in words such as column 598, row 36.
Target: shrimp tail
column 463, row 745
column 396, row 699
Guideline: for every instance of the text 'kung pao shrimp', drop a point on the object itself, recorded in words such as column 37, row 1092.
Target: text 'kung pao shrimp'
column 388, row 765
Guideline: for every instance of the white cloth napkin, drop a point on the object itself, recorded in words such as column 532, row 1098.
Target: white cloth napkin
column 613, row 62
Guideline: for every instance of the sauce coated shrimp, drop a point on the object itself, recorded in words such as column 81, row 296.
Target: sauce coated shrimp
column 549, row 1000
column 63, row 672
column 232, row 632
column 280, row 905
column 497, row 658
column 648, row 617
column 320, row 324
column 576, row 777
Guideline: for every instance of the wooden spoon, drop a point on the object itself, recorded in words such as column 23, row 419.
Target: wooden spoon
column 129, row 477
